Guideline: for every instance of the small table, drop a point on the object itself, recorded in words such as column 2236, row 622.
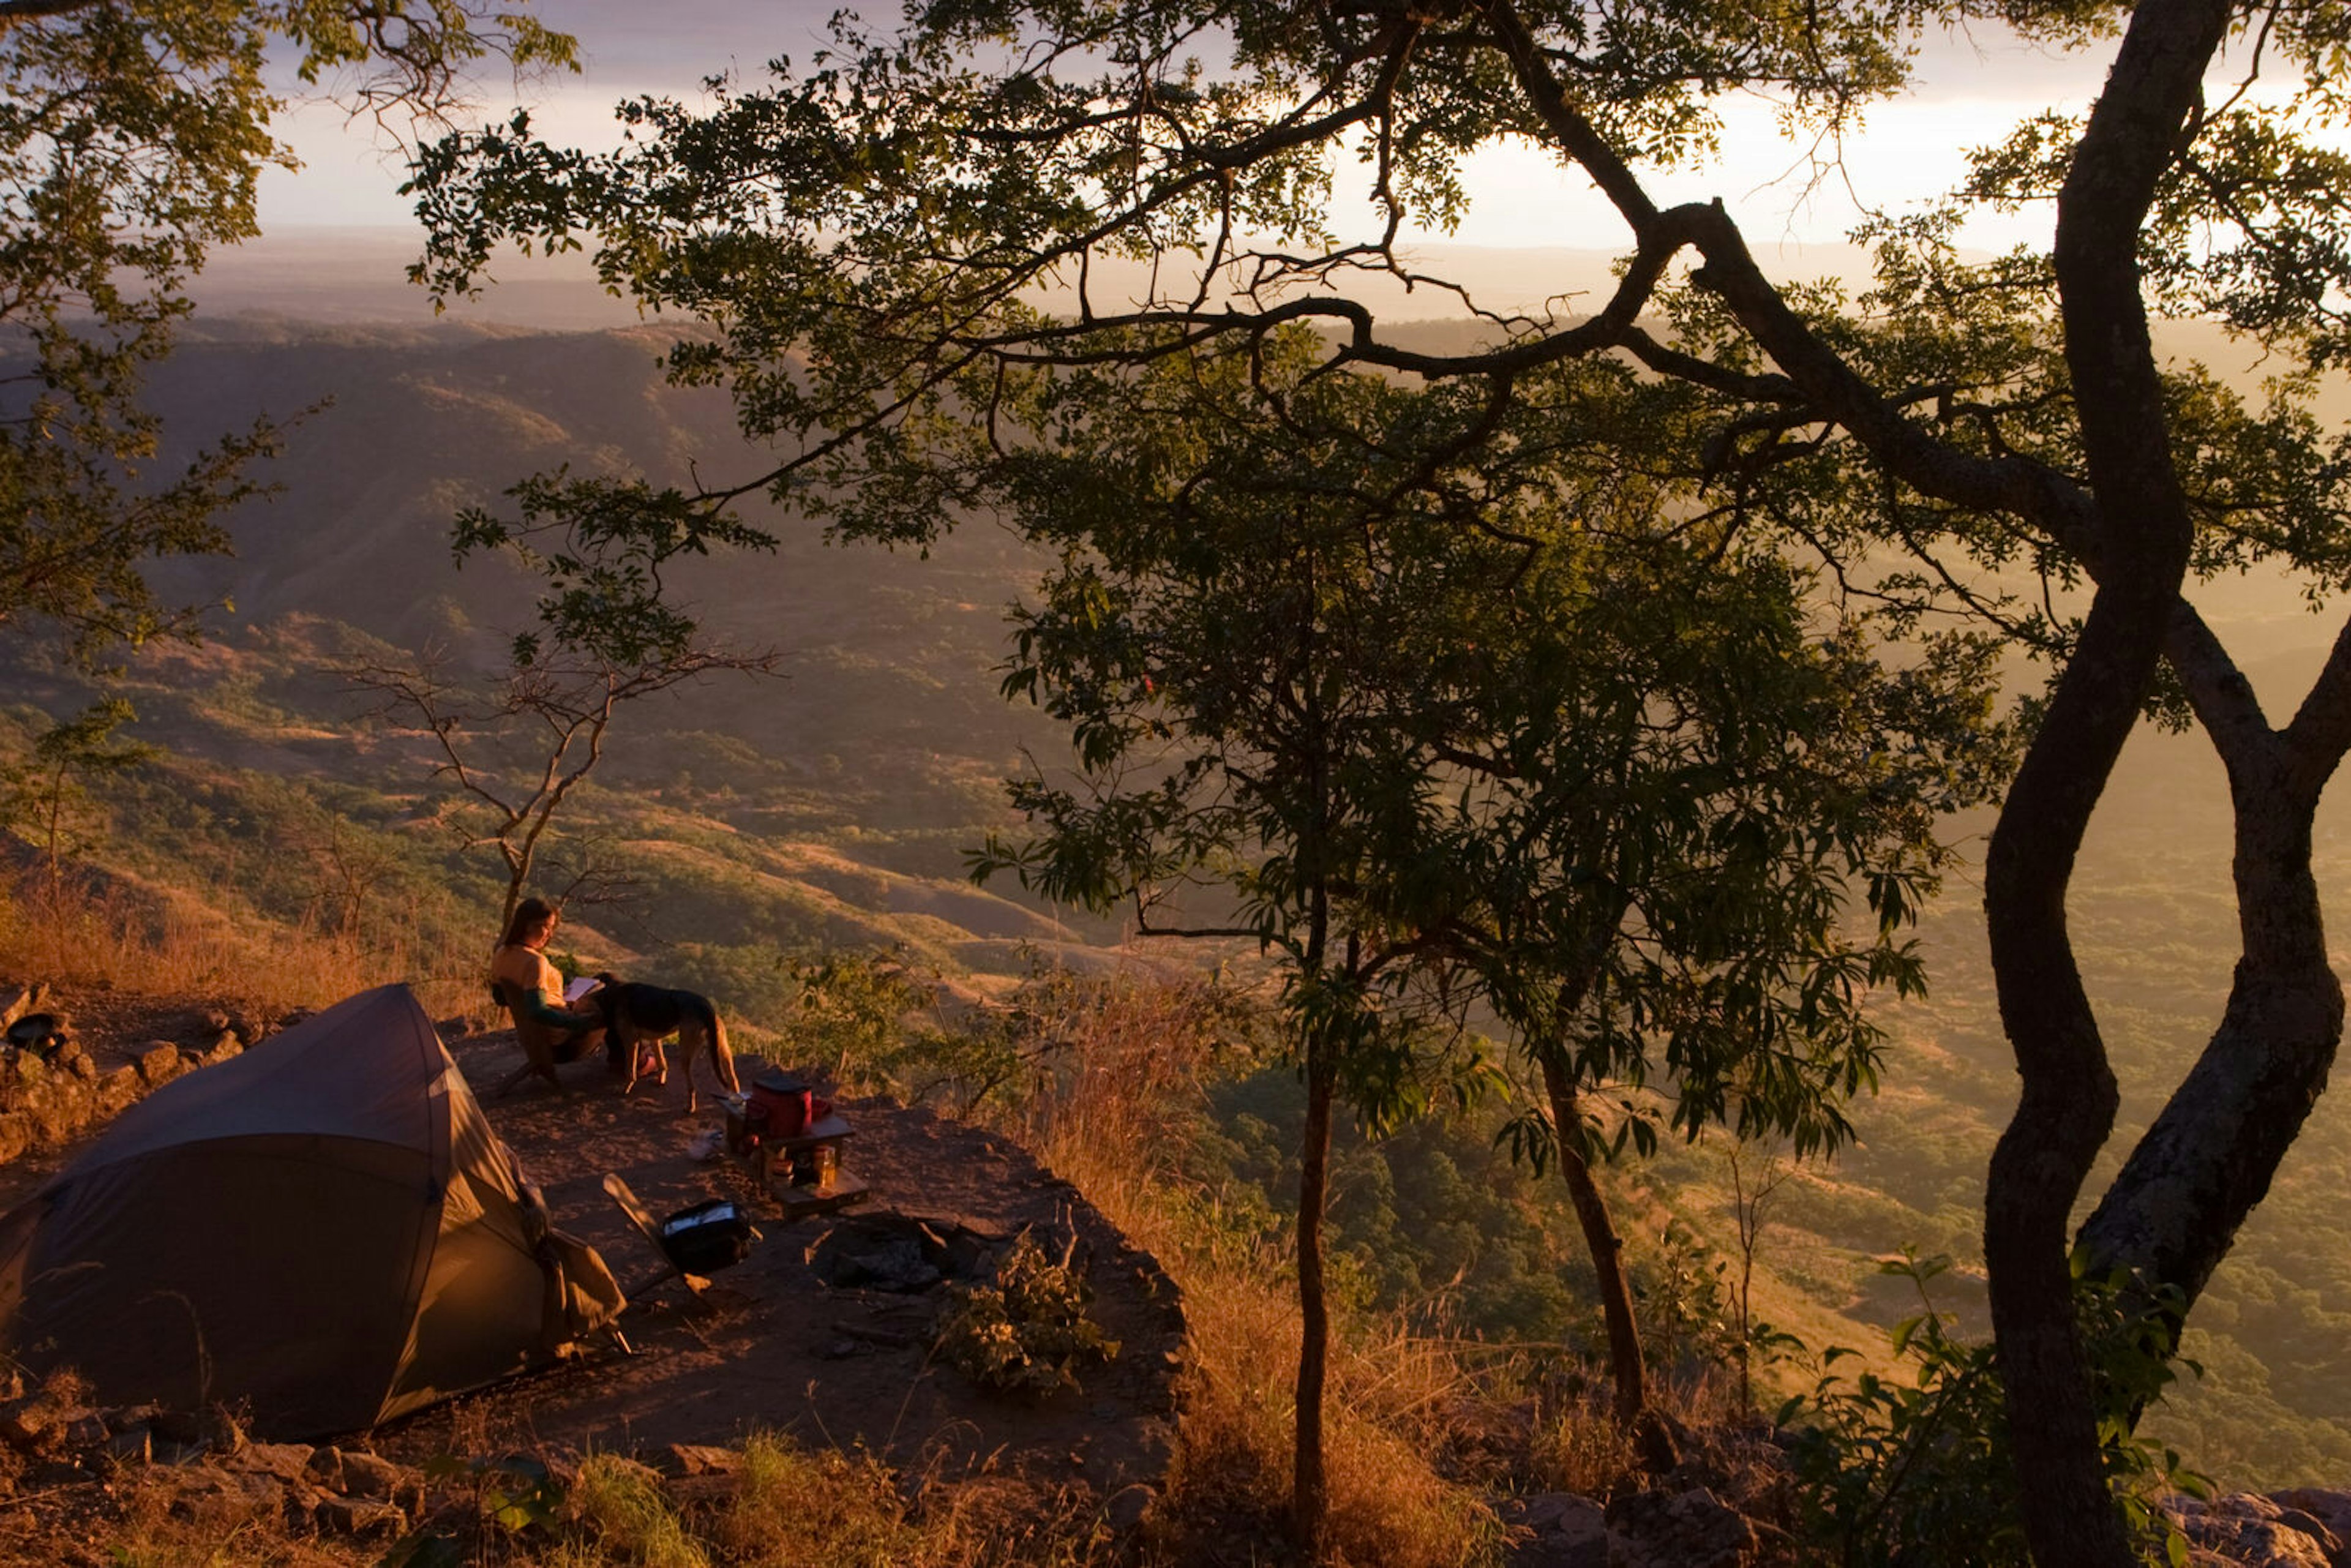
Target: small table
column 772, row 1164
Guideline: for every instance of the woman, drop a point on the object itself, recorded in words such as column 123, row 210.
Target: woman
column 532, row 988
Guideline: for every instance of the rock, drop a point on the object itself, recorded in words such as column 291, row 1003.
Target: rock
column 25, row 1424
column 370, row 1475
column 1124, row 1510
column 327, row 1469
column 78, row 1063
column 2255, row 1531
column 700, row 1459
column 210, row 1496
column 159, row 1063
column 116, row 1090
column 2331, row 1509
column 286, row 1461
column 359, row 1516
column 1561, row 1530
column 83, row 1428
column 16, row 1001
column 1679, row 1529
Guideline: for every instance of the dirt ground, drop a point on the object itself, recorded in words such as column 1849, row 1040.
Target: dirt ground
column 769, row 1345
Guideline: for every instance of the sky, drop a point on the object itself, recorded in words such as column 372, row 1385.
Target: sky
column 1972, row 88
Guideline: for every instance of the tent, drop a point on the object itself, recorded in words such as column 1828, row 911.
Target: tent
column 324, row 1229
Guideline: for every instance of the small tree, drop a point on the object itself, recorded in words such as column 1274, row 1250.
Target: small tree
column 1433, row 727
column 47, row 794
column 513, row 752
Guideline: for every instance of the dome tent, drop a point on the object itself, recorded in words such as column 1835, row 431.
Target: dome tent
column 323, row 1229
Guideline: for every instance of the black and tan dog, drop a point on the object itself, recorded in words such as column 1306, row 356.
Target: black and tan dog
column 639, row 1020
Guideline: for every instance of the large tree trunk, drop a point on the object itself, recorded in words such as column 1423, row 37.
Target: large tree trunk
column 1309, row 1488
column 2174, row 1209
column 2066, row 1101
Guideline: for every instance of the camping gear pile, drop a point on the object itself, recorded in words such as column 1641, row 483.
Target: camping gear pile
column 325, row 1229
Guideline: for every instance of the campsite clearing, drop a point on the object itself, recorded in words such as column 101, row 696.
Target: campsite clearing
column 824, row 1332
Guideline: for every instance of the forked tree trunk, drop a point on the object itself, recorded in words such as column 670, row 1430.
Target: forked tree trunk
column 2173, row 1212
column 2067, row 1095
column 1309, row 1488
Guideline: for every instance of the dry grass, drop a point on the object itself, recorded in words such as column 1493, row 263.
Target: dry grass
column 621, row 1519
column 164, row 943
column 159, row 1527
column 1141, row 1052
column 795, row 1508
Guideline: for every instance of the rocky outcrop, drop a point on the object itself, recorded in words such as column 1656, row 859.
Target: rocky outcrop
column 49, row 1097
column 2301, row 1528
column 204, row 1467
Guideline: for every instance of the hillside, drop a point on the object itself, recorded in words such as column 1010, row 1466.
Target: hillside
column 769, row 824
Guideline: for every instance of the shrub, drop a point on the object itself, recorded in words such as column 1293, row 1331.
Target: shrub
column 1028, row 1332
column 1920, row 1473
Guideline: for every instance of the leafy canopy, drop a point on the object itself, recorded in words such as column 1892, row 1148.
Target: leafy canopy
column 1508, row 723
column 132, row 134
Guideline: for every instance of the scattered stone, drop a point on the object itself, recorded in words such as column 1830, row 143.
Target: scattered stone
column 1124, row 1513
column 82, row 1428
column 117, row 1090
column 16, row 1001
column 78, row 1063
column 700, row 1459
column 159, row 1063
column 361, row 1516
column 327, row 1469
column 370, row 1475
column 1561, row 1530
column 1679, row 1529
column 286, row 1461
column 25, row 1424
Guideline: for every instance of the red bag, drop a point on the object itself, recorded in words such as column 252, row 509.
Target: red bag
column 782, row 1107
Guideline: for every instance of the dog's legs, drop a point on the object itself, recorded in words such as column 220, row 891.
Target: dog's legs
column 629, row 1051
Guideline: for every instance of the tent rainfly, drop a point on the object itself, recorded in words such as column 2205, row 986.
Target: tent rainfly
column 323, row 1229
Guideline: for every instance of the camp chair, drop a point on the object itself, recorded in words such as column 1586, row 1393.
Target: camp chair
column 549, row 1036
column 621, row 1194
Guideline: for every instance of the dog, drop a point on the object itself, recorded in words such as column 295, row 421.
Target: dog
column 639, row 1020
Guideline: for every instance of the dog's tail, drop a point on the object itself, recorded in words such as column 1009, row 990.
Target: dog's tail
column 722, row 1059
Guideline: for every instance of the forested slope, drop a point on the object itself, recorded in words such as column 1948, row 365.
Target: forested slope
column 770, row 822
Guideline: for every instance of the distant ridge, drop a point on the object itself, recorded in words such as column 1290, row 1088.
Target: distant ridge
column 344, row 276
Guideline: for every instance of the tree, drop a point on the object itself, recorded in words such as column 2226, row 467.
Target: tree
column 870, row 236
column 46, row 793
column 1434, row 729
column 609, row 632
column 133, row 133
column 514, row 752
